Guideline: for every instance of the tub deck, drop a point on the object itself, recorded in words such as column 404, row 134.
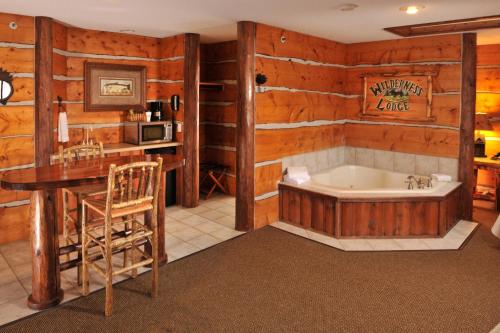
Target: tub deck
column 343, row 215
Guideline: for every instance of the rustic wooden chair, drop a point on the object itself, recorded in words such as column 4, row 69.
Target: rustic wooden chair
column 132, row 190
column 72, row 216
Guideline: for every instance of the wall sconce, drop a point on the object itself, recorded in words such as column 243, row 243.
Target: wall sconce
column 260, row 79
column 6, row 87
column 482, row 124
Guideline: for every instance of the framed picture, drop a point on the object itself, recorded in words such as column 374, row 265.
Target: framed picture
column 398, row 97
column 113, row 87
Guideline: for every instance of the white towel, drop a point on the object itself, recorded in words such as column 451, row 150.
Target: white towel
column 297, row 181
column 62, row 128
column 440, row 177
column 297, row 172
column 495, row 230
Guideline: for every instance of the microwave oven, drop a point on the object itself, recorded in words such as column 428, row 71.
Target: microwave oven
column 147, row 132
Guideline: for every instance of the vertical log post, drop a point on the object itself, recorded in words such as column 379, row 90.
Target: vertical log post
column 191, row 172
column 245, row 127
column 467, row 122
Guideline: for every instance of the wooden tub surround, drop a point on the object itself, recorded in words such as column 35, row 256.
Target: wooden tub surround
column 377, row 217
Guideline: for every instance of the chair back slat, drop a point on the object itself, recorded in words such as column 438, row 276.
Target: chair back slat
column 140, row 185
column 80, row 152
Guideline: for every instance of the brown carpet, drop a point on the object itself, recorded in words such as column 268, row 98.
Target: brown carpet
column 272, row 281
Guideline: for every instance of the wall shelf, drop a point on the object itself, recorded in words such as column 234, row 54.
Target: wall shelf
column 216, row 86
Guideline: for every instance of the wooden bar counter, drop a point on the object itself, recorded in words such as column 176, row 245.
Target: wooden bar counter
column 44, row 182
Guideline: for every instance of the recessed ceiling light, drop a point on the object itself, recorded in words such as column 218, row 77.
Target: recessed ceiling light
column 346, row 7
column 412, row 10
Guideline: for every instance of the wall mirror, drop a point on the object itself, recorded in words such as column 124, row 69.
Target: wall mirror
column 6, row 87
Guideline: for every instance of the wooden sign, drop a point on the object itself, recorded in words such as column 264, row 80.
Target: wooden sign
column 404, row 97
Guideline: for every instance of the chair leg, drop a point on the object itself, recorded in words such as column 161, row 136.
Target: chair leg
column 108, row 309
column 126, row 252
column 134, row 251
column 79, row 210
column 154, row 266
column 65, row 207
column 85, row 267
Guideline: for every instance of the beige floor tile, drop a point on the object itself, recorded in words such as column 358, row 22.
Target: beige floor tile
column 228, row 210
column 411, row 244
column 209, row 227
column 213, row 204
column 171, row 240
column 7, row 276
column 179, row 215
column 228, row 221
column 12, row 291
column 204, row 241
column 183, row 249
column 187, row 233
column 226, row 233
column 212, row 215
column 355, row 245
column 14, row 310
column 22, row 271
column 16, row 253
column 324, row 239
column 384, row 245
column 197, row 210
column 194, row 220
column 174, row 225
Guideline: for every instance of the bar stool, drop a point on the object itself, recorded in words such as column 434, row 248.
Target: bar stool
column 132, row 190
column 78, row 152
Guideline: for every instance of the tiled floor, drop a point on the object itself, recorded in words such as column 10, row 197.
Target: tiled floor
column 452, row 241
column 187, row 231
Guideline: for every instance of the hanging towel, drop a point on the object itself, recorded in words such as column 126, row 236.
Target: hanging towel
column 495, row 230
column 62, row 128
column 440, row 177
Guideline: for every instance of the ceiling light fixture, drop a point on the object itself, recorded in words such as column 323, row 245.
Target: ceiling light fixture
column 412, row 10
column 346, row 7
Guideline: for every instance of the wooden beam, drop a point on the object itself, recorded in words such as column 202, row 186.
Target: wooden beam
column 441, row 27
column 191, row 146
column 467, row 121
column 43, row 90
column 245, row 127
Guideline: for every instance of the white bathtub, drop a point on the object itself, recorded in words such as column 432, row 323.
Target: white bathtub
column 359, row 181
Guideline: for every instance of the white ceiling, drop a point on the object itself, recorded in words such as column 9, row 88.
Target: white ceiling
column 215, row 19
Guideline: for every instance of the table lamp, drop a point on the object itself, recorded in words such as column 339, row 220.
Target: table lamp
column 482, row 124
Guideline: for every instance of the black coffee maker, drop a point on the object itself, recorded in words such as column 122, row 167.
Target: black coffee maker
column 156, row 109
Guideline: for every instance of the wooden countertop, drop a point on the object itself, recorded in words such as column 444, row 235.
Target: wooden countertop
column 125, row 147
column 486, row 161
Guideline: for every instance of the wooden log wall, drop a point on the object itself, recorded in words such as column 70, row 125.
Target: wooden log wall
column 218, row 108
column 163, row 58
column 488, row 101
column 314, row 95
column 17, row 55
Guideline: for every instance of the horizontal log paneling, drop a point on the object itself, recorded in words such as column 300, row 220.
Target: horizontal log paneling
column 300, row 76
column 219, row 71
column 488, row 54
column 59, row 35
column 406, row 139
column 277, row 143
column 16, row 60
column 16, row 151
column 445, row 110
column 290, row 107
column 76, row 115
column 23, row 89
column 104, row 135
column 424, row 49
column 59, row 89
column 76, row 66
column 298, row 45
column 218, row 113
column 219, row 156
column 25, row 32
column 220, row 135
column 118, row 44
column 172, row 46
column 16, row 120
column 10, row 196
column 218, row 51
column 228, row 95
column 267, row 178
column 59, row 65
column 447, row 78
column 14, row 223
column 488, row 79
column 266, row 211
column 172, row 70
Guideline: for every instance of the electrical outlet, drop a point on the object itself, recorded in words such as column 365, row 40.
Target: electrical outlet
column 179, row 127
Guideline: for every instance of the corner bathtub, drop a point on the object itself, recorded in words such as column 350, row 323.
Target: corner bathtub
column 356, row 201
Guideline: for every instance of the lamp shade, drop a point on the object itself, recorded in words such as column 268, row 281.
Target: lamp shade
column 483, row 122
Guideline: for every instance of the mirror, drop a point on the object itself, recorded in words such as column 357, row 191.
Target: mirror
column 6, row 87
